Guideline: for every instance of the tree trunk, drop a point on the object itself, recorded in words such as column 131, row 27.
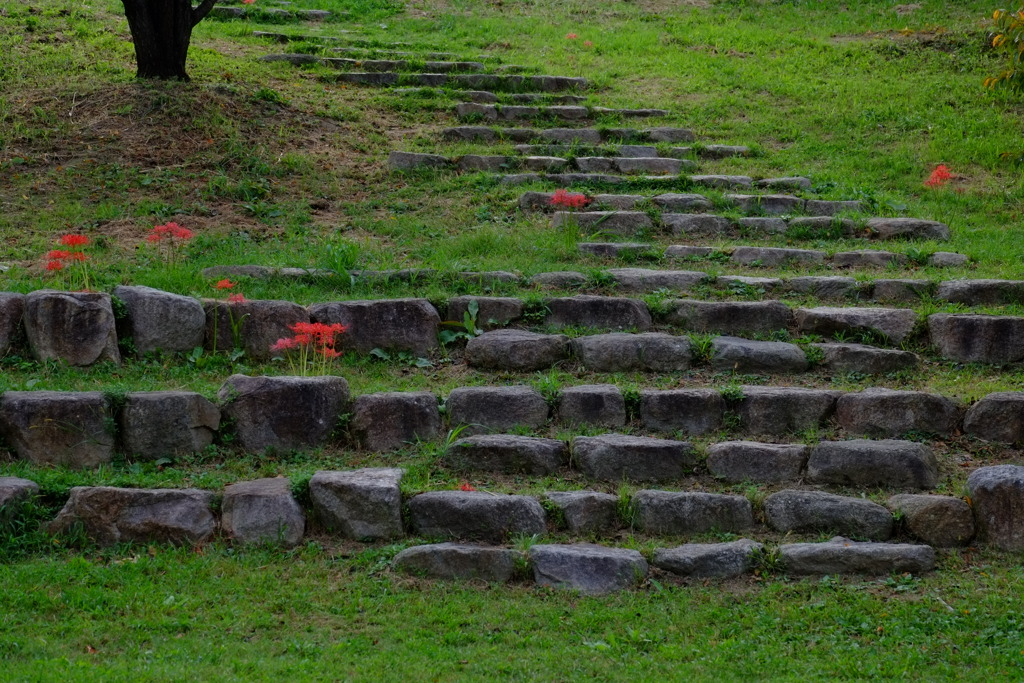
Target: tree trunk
column 161, row 31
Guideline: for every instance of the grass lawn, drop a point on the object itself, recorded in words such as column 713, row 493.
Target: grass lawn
column 276, row 165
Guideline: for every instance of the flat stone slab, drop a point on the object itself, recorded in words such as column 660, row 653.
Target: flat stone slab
column 843, row 556
column 389, row 324
column 941, row 521
column 598, row 405
column 675, row 202
column 110, row 515
column 969, row 338
column 63, row 428
column 364, row 504
column 614, row 457
column 599, row 312
column 783, row 410
column 624, row 223
column 817, row 511
column 484, row 409
column 761, row 225
column 560, row 279
column 893, row 325
column 516, row 350
column 166, row 424
column 866, row 463
column 587, row 512
column 587, row 568
column 508, row 454
column 696, row 224
column 911, row 228
column 730, row 317
column 453, row 561
column 392, row 420
column 613, row 249
column 647, row 280
column 773, row 257
column 881, row 413
column 997, row 494
column 624, row 352
column 867, row 259
column 680, row 514
column 709, row 560
column 402, row 161
column 734, row 354
column 769, row 204
column 475, row 516
column 762, row 463
column 824, row 286
column 867, row 360
column 998, row 417
column 263, row 511
column 692, row 411
column 901, row 290
column 821, row 207
column 161, row 321
column 785, row 183
column 981, row 292
column 722, row 181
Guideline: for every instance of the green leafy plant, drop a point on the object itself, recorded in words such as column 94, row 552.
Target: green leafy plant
column 1008, row 42
column 453, row 330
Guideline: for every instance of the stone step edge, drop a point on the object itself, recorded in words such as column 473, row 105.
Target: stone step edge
column 591, row 135
column 510, row 112
column 490, row 81
column 742, row 254
column 376, row 65
column 403, row 161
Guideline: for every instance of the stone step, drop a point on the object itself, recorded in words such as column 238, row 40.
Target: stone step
column 711, row 225
column 572, row 179
column 401, row 161
column 585, row 136
column 478, row 81
column 403, row 54
column 486, row 97
column 621, row 150
column 384, row 65
column 693, row 203
column 293, row 37
column 498, row 112
column 224, row 12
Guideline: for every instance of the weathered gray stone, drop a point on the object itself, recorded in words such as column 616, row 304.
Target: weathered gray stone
column 785, row 183
column 769, row 204
column 484, row 409
column 743, row 284
column 867, row 258
column 824, row 287
column 75, row 327
column 487, row 112
column 822, row 226
column 948, row 259
column 600, row 312
column 454, row 561
column 508, row 454
column 161, row 321
column 481, row 162
column 475, row 515
column 656, row 165
column 545, row 164
column 681, row 514
column 65, row 428
column 587, row 512
column 618, row 202
column 682, row 203
column 899, row 291
column 364, row 504
column 492, row 311
column 941, row 521
column 998, row 417
column 596, row 164
column 866, row 360
column 14, row 491
column 624, row 352
column 981, row 292
column 612, row 222
column 487, row 278
column 882, row 413
column 891, row 324
column 111, row 515
column 470, row 134
column 744, row 355
column 820, row 207
column 646, row 280
column 722, row 181
column 12, row 308
column 260, row 325
column 693, row 411
column 978, row 338
column 696, row 224
column 568, row 136
column 536, row 201
column 861, row 462
column 561, row 279
column 389, row 421
column 166, row 424
column 775, row 256
column 391, row 324
column 401, row 161
column 637, row 151
column 842, row 556
column 730, row 317
column 724, row 151
column 997, row 494
column 762, row 463
column 587, row 568
column 283, row 413
column 598, row 405
column 517, row 350
column 382, row 79
column 613, row 249
column 614, row 457
column 709, row 560
column 817, row 511
column 263, row 511
column 783, row 410
column 669, row 135
column 912, row 228
column 762, row 225
column 686, row 251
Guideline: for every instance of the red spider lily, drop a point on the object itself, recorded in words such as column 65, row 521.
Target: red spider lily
column 569, row 200
column 285, row 344
column 311, row 348
column 171, row 231
column 571, row 36
column 940, row 176
column 236, row 298
column 466, row 486
column 587, row 43
column 224, row 284
column 248, row 2
column 58, row 254
column 54, row 265
column 76, row 256
column 74, row 240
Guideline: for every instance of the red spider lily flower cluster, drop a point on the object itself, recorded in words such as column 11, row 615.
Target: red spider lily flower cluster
column 569, row 200
column 587, row 43
column 73, row 259
column 169, row 231
column 312, row 347
column 939, row 177
column 237, row 298
column 466, row 486
column 571, row 36
column 224, row 284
